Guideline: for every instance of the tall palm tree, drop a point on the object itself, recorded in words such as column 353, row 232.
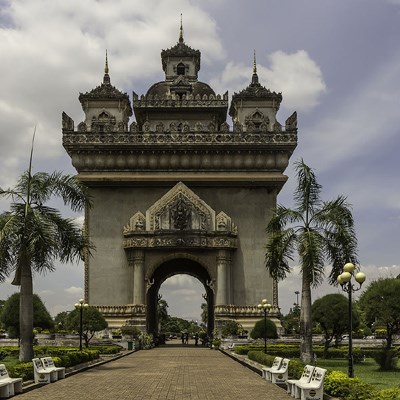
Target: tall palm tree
column 320, row 232
column 33, row 236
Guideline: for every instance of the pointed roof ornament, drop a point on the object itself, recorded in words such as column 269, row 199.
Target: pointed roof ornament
column 181, row 32
column 254, row 79
column 106, row 79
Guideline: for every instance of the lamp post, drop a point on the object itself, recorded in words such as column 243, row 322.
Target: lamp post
column 80, row 306
column 265, row 306
column 297, row 297
column 345, row 280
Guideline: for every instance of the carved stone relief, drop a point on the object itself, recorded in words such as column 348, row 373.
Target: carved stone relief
column 180, row 219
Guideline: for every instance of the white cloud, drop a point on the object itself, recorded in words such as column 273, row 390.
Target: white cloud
column 74, row 291
column 296, row 75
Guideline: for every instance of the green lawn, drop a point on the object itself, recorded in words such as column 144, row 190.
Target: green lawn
column 367, row 371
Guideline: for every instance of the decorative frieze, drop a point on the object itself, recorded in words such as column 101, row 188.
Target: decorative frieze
column 174, row 241
column 179, row 138
column 122, row 310
column 243, row 311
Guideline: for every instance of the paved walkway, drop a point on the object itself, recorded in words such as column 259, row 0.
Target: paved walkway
column 168, row 372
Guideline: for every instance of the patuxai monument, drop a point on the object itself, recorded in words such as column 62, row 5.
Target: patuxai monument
column 179, row 189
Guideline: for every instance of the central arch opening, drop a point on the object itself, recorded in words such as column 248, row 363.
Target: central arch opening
column 181, row 267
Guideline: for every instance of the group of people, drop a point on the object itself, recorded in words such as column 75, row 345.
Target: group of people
column 204, row 340
column 185, row 338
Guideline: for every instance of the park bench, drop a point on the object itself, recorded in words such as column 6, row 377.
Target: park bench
column 42, row 374
column 9, row 386
column 313, row 390
column 305, row 378
column 280, row 375
column 275, row 365
column 48, row 363
column 4, row 389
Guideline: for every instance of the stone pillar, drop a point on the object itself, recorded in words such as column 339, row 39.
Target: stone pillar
column 137, row 261
column 223, row 275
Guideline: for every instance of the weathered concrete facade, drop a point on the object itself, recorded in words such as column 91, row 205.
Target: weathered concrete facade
column 177, row 190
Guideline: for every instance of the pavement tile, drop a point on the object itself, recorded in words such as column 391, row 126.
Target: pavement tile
column 170, row 372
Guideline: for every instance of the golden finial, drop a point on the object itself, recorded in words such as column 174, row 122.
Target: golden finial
column 181, row 32
column 106, row 66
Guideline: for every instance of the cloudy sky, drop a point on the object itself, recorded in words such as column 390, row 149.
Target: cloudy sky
column 337, row 63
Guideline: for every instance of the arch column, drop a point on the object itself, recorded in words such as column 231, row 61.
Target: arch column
column 137, row 262
column 223, row 277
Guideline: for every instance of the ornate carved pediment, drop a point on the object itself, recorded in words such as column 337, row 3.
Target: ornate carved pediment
column 180, row 209
column 180, row 219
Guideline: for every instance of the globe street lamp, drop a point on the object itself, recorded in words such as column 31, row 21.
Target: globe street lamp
column 265, row 307
column 80, row 306
column 345, row 280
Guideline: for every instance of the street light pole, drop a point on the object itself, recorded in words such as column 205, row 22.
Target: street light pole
column 265, row 306
column 80, row 306
column 344, row 279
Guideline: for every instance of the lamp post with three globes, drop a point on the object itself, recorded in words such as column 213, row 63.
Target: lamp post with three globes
column 345, row 280
column 265, row 307
column 80, row 306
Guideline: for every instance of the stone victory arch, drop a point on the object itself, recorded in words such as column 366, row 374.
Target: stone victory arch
column 176, row 190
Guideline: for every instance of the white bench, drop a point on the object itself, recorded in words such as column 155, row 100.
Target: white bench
column 4, row 389
column 48, row 363
column 281, row 374
column 305, row 378
column 9, row 386
column 313, row 390
column 42, row 374
column 275, row 365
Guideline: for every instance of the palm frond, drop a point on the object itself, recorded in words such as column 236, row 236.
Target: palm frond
column 307, row 193
column 312, row 255
column 336, row 219
column 279, row 250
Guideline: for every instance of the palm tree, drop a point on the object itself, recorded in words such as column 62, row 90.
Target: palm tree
column 320, row 232
column 33, row 236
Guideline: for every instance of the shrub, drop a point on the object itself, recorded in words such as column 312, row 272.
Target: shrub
column 259, row 329
column 388, row 394
column 387, row 359
column 230, row 328
column 3, row 354
column 21, row 370
column 337, row 383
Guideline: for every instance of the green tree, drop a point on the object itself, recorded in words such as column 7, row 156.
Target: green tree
column 230, row 328
column 259, row 329
column 60, row 320
column 10, row 315
column 291, row 321
column 319, row 232
column 381, row 306
column 330, row 312
column 162, row 311
column 92, row 322
column 34, row 235
column 204, row 313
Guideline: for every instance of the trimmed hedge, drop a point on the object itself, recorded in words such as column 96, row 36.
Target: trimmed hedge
column 62, row 356
column 293, row 351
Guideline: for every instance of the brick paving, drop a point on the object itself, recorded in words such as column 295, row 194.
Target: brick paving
column 170, row 372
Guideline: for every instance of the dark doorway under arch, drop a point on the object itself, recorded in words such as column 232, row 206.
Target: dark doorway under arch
column 168, row 269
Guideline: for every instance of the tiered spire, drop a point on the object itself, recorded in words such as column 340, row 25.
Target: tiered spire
column 106, row 79
column 254, row 78
column 181, row 32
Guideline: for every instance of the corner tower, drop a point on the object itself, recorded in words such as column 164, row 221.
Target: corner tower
column 179, row 191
